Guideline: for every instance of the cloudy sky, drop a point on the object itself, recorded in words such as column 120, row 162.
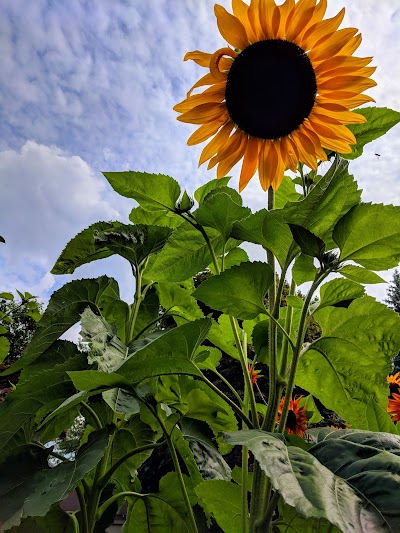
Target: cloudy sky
column 89, row 85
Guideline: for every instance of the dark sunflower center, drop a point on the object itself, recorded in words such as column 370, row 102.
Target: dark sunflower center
column 291, row 420
column 271, row 89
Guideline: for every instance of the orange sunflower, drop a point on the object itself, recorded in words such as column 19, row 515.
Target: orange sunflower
column 296, row 422
column 394, row 407
column 281, row 94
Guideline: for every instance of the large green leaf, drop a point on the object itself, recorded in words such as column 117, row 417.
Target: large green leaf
column 379, row 419
column 151, row 191
column 149, row 311
column 4, row 348
column 238, row 291
column 132, row 435
column 178, row 300
column 164, row 512
column 308, row 486
column 164, row 217
column 286, row 193
column 56, row 520
column 185, row 254
column 348, row 365
column 303, row 269
column 42, row 387
column 379, row 121
column 373, row 471
column 28, row 487
column 64, row 310
column 220, row 210
column 369, row 234
column 222, row 499
column 360, row 275
column 232, row 258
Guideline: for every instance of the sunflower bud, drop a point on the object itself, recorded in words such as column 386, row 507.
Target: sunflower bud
column 184, row 204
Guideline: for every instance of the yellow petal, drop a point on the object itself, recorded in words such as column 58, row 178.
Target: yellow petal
column 289, row 154
column 250, row 162
column 231, row 145
column 331, row 45
column 305, row 149
column 347, row 71
column 284, row 11
column 341, row 61
column 263, row 165
column 240, row 10
column 231, row 29
column 201, row 58
column 299, row 18
column 266, row 12
column 278, row 166
column 215, row 93
column 217, row 143
column 208, row 79
column 341, row 133
column 319, row 151
column 205, row 132
column 215, row 62
column 225, row 166
column 352, row 45
column 254, row 18
column 203, row 113
column 320, row 29
column 340, row 117
column 346, row 83
column 347, row 102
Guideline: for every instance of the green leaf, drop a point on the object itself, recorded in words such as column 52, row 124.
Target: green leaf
column 107, row 351
column 221, row 335
column 379, row 419
column 42, row 387
column 309, row 404
column 348, row 365
column 360, row 275
column 309, row 243
column 151, row 191
column 303, row 269
column 295, row 301
column 134, row 243
column 203, row 191
column 208, row 358
column 340, row 293
column 164, row 217
column 178, row 300
column 28, row 487
column 232, row 258
column 369, row 234
column 220, row 210
column 81, row 249
column 164, row 512
column 148, row 312
column 7, row 296
column 116, row 313
column 185, row 254
column 4, row 348
column 222, row 499
column 379, row 121
column 132, row 435
column 90, row 380
column 63, row 311
column 371, row 471
column 305, row 484
column 121, row 402
column 56, row 520
column 238, row 291
column 295, row 523
column 286, row 193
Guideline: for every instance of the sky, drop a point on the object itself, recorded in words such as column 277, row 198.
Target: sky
column 89, row 86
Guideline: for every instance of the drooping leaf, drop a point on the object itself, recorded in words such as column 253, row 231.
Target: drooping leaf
column 64, row 310
column 360, row 275
column 163, row 512
column 220, row 210
column 107, row 351
column 203, row 191
column 339, row 292
column 134, row 243
column 308, row 486
column 369, row 234
column 379, row 121
column 348, row 365
column 132, row 435
column 222, row 499
column 42, row 387
column 151, row 191
column 372, row 472
column 238, row 291
column 308, row 243
column 28, row 487
column 303, row 269
column 158, row 217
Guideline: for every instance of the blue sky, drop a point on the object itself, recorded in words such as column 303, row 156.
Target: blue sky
column 89, row 85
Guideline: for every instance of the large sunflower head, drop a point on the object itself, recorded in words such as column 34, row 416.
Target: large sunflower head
column 296, row 422
column 281, row 93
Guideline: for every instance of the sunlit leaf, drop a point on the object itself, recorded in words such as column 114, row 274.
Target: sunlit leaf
column 339, row 292
column 360, row 275
column 203, row 191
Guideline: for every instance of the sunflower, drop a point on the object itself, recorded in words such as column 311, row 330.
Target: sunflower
column 254, row 374
column 394, row 379
column 296, row 422
column 394, row 407
column 281, row 94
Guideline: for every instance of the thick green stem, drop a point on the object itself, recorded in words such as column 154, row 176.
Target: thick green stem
column 114, row 498
column 230, row 387
column 82, row 504
column 134, row 308
column 91, row 412
column 245, row 470
column 287, row 327
column 75, row 523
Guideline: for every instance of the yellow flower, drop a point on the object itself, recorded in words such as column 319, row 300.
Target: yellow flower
column 281, row 94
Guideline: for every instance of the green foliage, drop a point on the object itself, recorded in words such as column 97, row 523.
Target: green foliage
column 238, row 291
column 379, row 121
column 211, row 185
column 222, row 499
column 360, row 275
